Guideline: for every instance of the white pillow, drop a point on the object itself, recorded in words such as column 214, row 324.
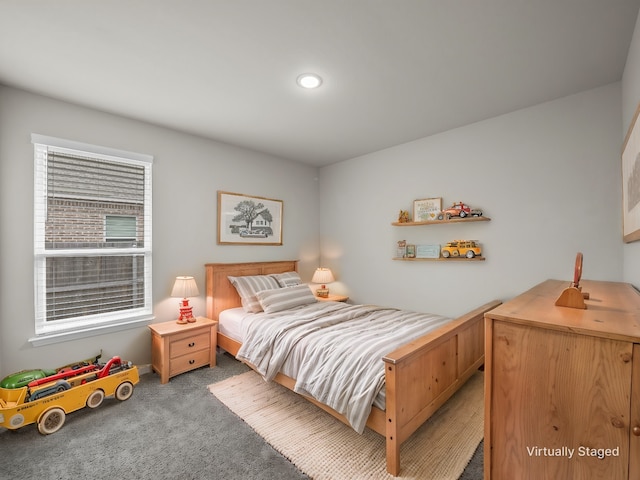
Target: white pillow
column 287, row 279
column 284, row 298
column 248, row 286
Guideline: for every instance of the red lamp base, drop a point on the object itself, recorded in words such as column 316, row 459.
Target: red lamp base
column 186, row 313
column 322, row 292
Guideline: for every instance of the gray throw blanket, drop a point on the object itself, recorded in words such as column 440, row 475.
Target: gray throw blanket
column 338, row 347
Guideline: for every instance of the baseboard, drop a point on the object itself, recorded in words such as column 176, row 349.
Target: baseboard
column 144, row 369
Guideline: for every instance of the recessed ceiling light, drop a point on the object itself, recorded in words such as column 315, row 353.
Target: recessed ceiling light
column 309, row 80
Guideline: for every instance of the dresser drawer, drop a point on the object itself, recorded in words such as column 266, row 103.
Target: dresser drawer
column 189, row 343
column 188, row 362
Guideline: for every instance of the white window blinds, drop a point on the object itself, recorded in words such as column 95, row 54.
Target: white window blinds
column 120, row 229
column 92, row 235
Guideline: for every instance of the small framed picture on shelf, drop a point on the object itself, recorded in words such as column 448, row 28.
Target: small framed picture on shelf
column 426, row 209
column 427, row 251
column 401, row 250
column 411, row 251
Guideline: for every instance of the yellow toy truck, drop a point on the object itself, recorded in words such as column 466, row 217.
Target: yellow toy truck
column 47, row 399
column 461, row 248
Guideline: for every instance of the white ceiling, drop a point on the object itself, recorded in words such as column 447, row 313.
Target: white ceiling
column 393, row 70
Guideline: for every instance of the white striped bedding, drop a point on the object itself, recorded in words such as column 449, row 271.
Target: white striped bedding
column 333, row 350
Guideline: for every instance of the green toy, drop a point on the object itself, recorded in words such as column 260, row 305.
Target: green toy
column 22, row 378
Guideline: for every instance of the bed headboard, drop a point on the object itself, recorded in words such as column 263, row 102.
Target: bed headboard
column 219, row 292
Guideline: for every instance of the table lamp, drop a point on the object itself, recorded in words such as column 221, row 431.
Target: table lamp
column 322, row 276
column 185, row 287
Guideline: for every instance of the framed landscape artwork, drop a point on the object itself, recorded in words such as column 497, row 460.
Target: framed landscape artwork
column 249, row 220
column 631, row 182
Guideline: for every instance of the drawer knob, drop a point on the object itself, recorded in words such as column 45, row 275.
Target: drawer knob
column 191, row 362
column 636, row 431
column 192, row 344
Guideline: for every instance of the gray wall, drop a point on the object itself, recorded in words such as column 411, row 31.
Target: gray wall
column 187, row 173
column 548, row 176
column 630, row 101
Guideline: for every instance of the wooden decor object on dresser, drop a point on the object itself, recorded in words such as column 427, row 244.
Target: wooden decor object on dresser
column 562, row 385
column 178, row 348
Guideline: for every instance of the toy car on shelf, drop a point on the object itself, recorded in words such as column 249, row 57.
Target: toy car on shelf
column 48, row 399
column 460, row 210
column 461, row 248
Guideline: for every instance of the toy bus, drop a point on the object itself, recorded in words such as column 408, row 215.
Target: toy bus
column 47, row 400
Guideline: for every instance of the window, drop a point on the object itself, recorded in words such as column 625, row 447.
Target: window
column 120, row 229
column 92, row 238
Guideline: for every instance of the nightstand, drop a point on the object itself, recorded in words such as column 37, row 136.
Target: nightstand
column 333, row 298
column 177, row 348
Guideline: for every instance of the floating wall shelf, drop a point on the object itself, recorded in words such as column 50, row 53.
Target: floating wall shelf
column 438, row 222
column 441, row 259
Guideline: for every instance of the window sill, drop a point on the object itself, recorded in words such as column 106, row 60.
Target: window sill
column 58, row 337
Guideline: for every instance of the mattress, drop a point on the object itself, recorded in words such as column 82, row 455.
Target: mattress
column 229, row 323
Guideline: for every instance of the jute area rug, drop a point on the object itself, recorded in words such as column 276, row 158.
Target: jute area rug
column 326, row 449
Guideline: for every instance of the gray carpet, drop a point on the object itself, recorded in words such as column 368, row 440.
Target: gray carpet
column 173, row 431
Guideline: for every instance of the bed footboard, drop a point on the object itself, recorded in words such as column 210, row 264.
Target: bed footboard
column 422, row 375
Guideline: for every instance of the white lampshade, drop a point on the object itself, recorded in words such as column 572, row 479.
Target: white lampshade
column 185, row 287
column 323, row 275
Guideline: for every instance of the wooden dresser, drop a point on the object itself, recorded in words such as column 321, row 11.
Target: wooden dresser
column 562, row 385
column 177, row 348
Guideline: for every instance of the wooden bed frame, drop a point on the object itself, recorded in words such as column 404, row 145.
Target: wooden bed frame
column 420, row 376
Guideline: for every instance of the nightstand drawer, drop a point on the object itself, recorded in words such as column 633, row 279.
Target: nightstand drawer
column 189, row 343
column 188, row 362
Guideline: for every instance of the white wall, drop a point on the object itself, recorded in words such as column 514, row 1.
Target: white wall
column 548, row 176
column 187, row 173
column 630, row 101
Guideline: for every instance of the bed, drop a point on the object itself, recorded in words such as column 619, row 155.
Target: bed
column 419, row 376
